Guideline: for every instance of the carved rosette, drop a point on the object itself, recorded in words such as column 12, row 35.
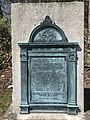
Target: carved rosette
column 23, row 57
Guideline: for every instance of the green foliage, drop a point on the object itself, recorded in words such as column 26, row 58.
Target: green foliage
column 5, row 39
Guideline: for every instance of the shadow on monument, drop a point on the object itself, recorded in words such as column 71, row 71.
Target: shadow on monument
column 86, row 99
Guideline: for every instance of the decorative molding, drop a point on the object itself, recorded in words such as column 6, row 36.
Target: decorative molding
column 23, row 57
column 47, row 32
column 47, row 20
column 71, row 49
column 72, row 57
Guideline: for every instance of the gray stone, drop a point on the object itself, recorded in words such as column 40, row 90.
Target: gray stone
column 25, row 17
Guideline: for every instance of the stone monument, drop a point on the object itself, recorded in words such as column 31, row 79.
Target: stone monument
column 68, row 17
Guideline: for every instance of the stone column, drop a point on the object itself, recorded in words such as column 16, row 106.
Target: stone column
column 72, row 83
column 24, row 81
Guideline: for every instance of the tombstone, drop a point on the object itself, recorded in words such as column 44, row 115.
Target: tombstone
column 47, row 55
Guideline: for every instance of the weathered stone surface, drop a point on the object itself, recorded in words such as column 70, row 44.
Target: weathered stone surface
column 9, row 115
column 49, row 116
column 25, row 17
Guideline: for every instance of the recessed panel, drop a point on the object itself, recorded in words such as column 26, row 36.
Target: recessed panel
column 48, row 35
column 48, row 79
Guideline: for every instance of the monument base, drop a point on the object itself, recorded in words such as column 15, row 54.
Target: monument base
column 24, row 109
column 49, row 116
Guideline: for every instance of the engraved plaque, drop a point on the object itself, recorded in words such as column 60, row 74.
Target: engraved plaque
column 48, row 79
column 48, row 71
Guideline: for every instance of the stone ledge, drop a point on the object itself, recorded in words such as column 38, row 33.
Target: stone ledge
column 10, row 115
column 49, row 116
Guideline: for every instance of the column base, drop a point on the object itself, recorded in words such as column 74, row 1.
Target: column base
column 24, row 109
column 72, row 110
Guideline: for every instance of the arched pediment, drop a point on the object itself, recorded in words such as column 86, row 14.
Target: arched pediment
column 47, row 32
